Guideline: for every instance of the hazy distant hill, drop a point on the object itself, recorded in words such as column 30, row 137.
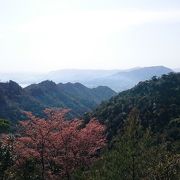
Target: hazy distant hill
column 77, row 75
column 117, row 80
column 36, row 97
column 22, row 78
column 124, row 80
column 177, row 70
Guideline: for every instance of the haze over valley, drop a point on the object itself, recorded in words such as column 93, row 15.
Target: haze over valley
column 89, row 90
column 118, row 80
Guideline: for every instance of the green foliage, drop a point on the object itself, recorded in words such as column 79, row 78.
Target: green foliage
column 135, row 155
column 172, row 134
column 4, row 126
column 29, row 171
column 144, row 143
column 47, row 94
column 6, row 159
column 158, row 101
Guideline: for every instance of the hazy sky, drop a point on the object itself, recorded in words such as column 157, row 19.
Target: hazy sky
column 45, row 35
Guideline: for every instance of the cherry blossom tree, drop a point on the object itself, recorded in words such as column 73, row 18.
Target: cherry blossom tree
column 60, row 146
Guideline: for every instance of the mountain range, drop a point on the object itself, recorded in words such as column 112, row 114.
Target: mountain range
column 118, row 80
column 124, row 80
column 158, row 101
column 35, row 98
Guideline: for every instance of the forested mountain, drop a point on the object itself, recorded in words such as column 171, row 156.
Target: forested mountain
column 116, row 79
column 36, row 97
column 134, row 135
column 143, row 127
column 158, row 101
column 137, row 152
column 75, row 96
column 13, row 99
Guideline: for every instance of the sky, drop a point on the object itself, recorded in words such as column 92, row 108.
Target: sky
column 47, row 35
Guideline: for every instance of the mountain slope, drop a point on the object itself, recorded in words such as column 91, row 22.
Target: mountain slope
column 116, row 79
column 74, row 96
column 36, row 97
column 127, row 79
column 77, row 75
column 158, row 101
column 13, row 99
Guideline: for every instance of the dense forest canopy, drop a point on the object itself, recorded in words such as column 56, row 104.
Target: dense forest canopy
column 158, row 101
column 37, row 97
column 134, row 135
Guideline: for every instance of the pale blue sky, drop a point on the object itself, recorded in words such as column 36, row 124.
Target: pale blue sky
column 45, row 35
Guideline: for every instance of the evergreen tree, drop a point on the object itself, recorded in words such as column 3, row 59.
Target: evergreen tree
column 135, row 155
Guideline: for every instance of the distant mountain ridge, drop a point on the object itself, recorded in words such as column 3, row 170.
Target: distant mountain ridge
column 127, row 79
column 116, row 79
column 36, row 97
column 177, row 70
